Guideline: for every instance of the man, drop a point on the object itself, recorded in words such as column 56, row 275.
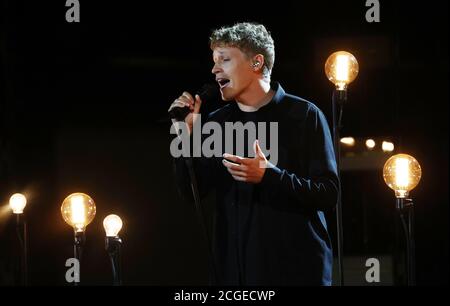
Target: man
column 269, row 223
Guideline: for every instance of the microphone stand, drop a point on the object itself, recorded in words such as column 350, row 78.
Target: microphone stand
column 200, row 215
column 189, row 162
column 207, row 92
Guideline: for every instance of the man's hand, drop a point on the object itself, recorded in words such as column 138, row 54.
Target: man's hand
column 250, row 170
column 186, row 100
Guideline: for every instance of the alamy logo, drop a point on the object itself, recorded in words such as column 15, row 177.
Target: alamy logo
column 73, row 13
column 373, row 273
column 212, row 145
column 73, row 273
column 373, row 13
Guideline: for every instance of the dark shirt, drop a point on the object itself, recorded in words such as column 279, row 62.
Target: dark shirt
column 274, row 232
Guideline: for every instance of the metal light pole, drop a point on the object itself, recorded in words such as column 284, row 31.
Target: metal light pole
column 341, row 68
column 402, row 173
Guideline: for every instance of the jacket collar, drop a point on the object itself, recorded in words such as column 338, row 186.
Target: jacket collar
column 276, row 99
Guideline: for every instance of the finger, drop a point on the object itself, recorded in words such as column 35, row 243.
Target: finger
column 237, row 173
column 240, row 179
column 188, row 96
column 198, row 104
column 185, row 100
column 178, row 104
column 191, row 107
column 257, row 149
column 236, row 159
column 233, row 166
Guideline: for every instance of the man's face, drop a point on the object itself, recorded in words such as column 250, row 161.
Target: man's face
column 233, row 72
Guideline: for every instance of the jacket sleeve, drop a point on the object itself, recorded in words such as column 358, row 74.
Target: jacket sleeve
column 318, row 190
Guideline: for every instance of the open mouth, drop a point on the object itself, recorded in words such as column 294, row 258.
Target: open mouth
column 223, row 82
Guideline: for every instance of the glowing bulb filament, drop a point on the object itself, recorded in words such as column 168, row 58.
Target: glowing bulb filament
column 402, row 173
column 342, row 68
column 78, row 212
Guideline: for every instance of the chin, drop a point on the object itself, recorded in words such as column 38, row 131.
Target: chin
column 227, row 97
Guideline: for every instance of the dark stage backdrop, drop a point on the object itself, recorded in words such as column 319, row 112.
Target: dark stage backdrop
column 83, row 108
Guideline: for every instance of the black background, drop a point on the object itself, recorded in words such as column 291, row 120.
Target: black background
column 83, row 108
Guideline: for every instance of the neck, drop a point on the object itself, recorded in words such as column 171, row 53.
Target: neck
column 256, row 96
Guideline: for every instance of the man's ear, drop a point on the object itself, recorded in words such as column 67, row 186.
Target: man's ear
column 258, row 62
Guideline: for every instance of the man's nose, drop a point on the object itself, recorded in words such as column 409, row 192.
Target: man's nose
column 215, row 69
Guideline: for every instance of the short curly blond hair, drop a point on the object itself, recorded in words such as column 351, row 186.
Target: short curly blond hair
column 250, row 38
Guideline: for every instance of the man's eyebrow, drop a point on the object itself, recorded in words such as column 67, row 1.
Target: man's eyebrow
column 220, row 55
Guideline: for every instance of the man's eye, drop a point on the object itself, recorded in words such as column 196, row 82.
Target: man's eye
column 226, row 59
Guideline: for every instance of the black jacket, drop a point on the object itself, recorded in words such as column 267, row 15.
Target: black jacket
column 274, row 232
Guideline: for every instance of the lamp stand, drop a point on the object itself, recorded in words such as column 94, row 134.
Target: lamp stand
column 113, row 246
column 21, row 229
column 406, row 207
column 79, row 241
column 338, row 99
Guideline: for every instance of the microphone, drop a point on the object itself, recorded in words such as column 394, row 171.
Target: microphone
column 207, row 92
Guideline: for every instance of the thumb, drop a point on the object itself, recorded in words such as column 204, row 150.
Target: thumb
column 198, row 103
column 257, row 149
